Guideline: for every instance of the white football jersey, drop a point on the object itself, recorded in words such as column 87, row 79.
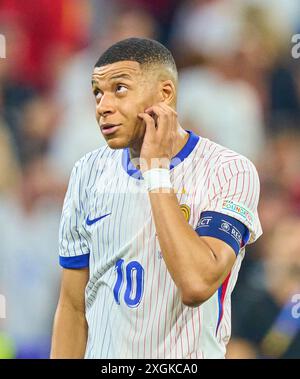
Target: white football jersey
column 133, row 307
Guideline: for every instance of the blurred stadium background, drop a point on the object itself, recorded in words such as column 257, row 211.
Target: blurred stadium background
column 239, row 86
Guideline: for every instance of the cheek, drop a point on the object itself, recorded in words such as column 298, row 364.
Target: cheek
column 97, row 115
column 136, row 103
column 130, row 108
column 147, row 96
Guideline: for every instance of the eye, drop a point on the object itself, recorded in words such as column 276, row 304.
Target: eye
column 98, row 94
column 121, row 88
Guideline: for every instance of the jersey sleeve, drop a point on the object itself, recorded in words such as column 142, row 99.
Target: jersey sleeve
column 231, row 211
column 74, row 249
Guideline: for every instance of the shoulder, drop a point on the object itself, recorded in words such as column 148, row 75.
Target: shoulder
column 95, row 159
column 88, row 168
column 222, row 159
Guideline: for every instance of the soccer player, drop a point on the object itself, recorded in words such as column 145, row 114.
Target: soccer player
column 154, row 225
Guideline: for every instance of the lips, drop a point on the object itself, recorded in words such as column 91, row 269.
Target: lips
column 109, row 128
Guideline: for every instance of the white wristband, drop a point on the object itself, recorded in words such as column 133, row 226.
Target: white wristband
column 157, row 178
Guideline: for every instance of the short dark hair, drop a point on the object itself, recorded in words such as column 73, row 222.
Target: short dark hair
column 145, row 51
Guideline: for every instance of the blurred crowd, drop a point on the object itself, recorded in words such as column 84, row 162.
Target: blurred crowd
column 239, row 86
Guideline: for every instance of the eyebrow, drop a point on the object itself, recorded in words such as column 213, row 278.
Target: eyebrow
column 117, row 76
column 121, row 76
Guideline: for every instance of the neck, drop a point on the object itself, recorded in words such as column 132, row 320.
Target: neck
column 181, row 138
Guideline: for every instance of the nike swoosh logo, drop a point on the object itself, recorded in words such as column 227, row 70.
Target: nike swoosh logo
column 91, row 222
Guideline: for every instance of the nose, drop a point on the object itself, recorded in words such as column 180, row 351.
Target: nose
column 105, row 107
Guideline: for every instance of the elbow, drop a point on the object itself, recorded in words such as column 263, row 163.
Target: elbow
column 194, row 296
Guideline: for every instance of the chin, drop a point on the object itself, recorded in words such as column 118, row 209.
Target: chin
column 117, row 143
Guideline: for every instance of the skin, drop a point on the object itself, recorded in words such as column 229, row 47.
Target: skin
column 70, row 327
column 123, row 92
column 198, row 265
column 134, row 96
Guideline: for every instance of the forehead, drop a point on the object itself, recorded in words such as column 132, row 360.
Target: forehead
column 126, row 69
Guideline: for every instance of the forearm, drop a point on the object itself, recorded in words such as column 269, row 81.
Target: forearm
column 190, row 261
column 69, row 333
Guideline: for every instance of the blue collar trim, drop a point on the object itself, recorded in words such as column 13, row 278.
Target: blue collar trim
column 180, row 157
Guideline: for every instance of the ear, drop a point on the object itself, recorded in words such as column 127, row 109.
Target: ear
column 168, row 92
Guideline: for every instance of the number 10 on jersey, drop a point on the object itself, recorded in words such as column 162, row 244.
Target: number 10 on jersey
column 133, row 280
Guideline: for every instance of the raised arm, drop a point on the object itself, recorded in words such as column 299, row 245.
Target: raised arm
column 198, row 260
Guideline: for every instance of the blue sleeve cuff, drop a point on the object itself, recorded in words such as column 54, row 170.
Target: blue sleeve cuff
column 77, row 261
column 223, row 227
